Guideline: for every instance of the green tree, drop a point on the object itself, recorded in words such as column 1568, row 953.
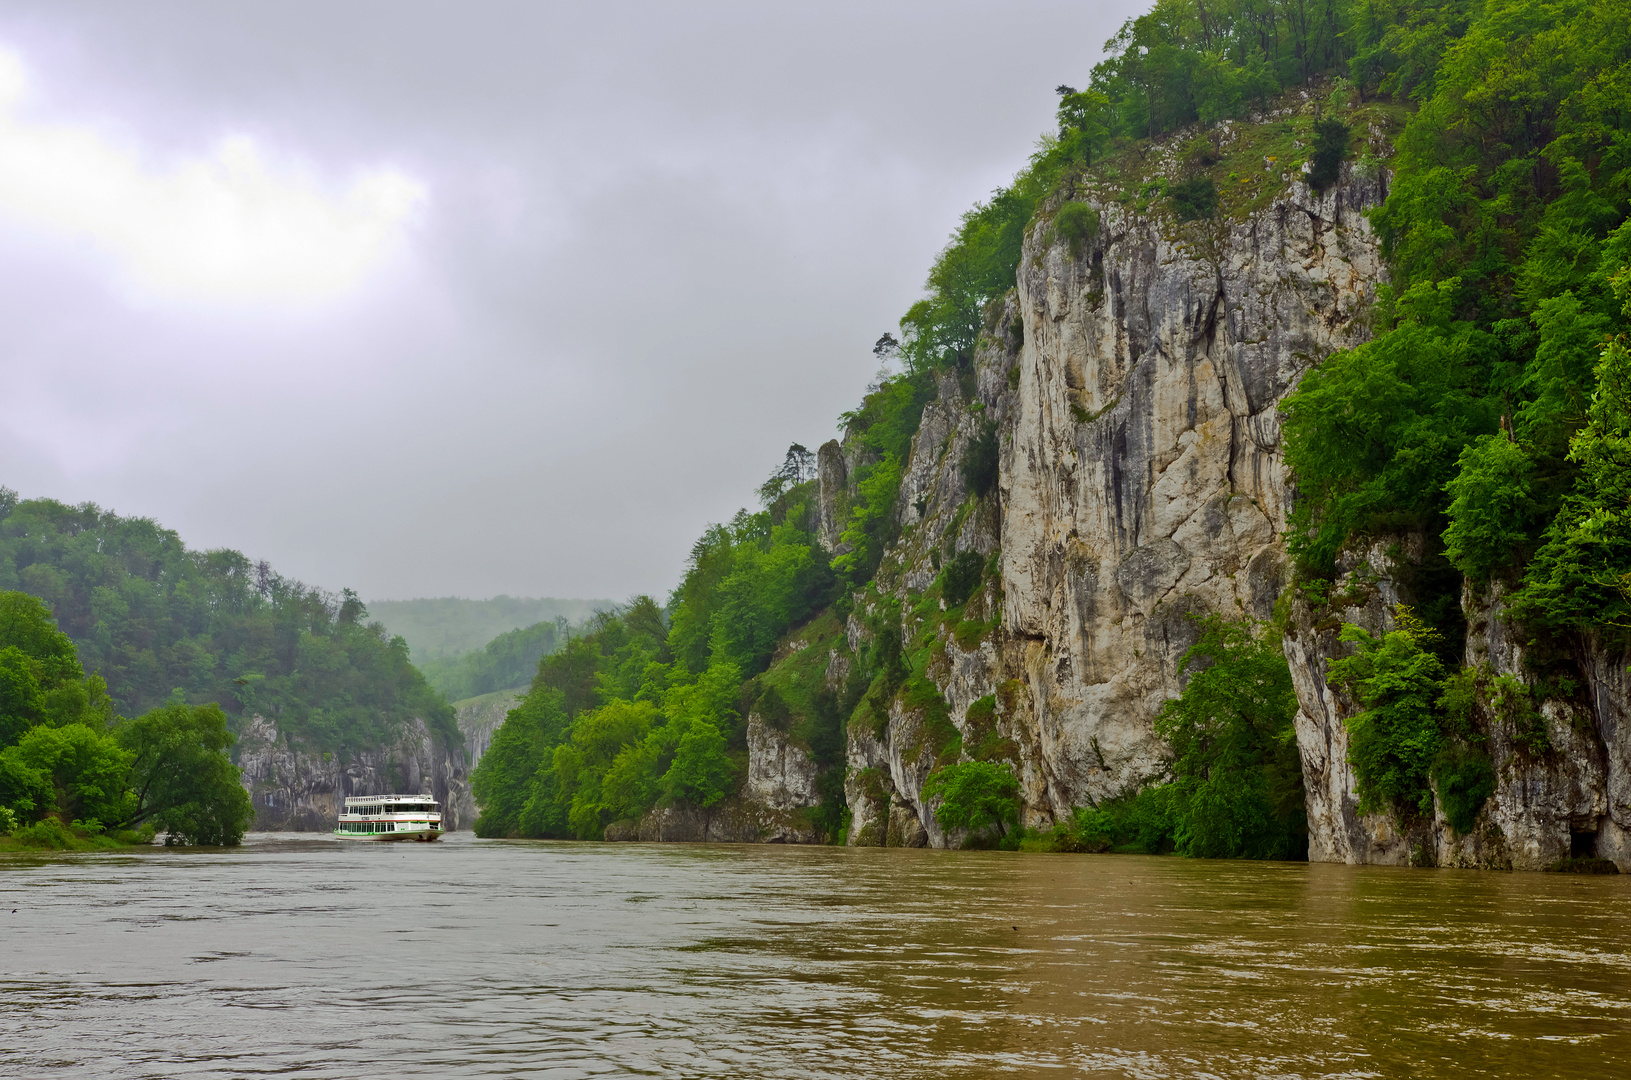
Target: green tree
column 581, row 764
column 975, row 795
column 1581, row 577
column 522, row 748
column 72, row 772
column 702, row 772
column 1393, row 742
column 183, row 781
column 1237, row 787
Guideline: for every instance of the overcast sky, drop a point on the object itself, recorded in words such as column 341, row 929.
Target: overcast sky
column 478, row 298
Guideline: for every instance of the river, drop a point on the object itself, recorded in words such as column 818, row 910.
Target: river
column 306, row 957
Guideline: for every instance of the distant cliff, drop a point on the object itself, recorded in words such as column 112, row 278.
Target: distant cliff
column 299, row 789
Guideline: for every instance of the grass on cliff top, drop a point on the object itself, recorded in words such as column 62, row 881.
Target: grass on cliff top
column 1233, row 153
column 483, row 700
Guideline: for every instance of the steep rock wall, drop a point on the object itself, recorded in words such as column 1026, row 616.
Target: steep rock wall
column 1135, row 383
column 478, row 718
column 1144, row 479
column 294, row 789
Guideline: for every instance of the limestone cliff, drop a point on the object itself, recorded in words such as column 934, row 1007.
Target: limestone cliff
column 295, row 789
column 1135, row 383
column 479, row 717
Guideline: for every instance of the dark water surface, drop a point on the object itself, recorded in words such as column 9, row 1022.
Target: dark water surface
column 309, row 957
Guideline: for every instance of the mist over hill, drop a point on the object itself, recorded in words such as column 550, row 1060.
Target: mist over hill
column 444, row 627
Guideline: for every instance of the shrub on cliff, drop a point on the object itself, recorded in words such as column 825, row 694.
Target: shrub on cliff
column 1077, row 224
column 975, row 795
column 1330, row 147
column 1195, row 199
column 1237, row 789
column 1394, row 741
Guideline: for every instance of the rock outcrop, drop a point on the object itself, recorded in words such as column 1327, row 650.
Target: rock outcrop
column 295, row 789
column 733, row 821
column 781, row 774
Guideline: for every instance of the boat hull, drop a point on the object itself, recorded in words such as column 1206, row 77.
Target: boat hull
column 421, row 837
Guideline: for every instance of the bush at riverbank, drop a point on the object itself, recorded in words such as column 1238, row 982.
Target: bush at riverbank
column 50, row 834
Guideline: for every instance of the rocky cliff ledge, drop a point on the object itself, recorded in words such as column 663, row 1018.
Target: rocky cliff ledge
column 295, row 789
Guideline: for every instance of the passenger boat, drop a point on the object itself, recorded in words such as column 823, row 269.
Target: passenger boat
column 389, row 817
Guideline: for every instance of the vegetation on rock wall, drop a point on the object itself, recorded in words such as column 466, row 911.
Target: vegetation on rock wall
column 649, row 707
column 1491, row 410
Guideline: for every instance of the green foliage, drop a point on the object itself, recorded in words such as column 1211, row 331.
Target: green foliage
column 1237, row 789
column 1581, row 577
column 978, row 465
column 151, row 617
column 74, row 772
column 1492, row 509
column 1077, row 224
column 1470, row 414
column 1374, row 434
column 581, row 765
column 961, row 577
column 1392, row 744
column 507, row 662
column 1465, row 779
column 608, row 730
column 1169, row 66
column 872, row 523
column 69, row 761
column 1195, row 199
column 502, row 781
column 1141, row 823
column 183, row 780
column 1330, row 147
column 975, row 795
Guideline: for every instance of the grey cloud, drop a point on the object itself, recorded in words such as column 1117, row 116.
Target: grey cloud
column 659, row 242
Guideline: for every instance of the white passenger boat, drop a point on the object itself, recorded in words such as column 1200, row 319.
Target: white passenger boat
column 389, row 817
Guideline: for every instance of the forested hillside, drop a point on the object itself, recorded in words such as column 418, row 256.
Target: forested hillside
column 507, row 662
column 162, row 624
column 1489, row 416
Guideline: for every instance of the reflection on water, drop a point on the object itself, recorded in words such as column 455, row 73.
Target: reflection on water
column 308, row 957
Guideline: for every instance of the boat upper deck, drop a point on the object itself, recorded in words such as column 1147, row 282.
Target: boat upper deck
column 381, row 805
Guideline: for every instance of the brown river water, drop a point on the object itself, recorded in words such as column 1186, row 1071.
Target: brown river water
column 308, row 957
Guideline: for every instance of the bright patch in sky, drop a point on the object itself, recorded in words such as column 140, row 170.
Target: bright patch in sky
column 229, row 224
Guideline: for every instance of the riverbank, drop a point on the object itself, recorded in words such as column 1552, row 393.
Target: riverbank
column 53, row 835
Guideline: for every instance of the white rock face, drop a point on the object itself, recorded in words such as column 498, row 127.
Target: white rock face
column 296, row 790
column 1143, row 479
column 781, row 775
